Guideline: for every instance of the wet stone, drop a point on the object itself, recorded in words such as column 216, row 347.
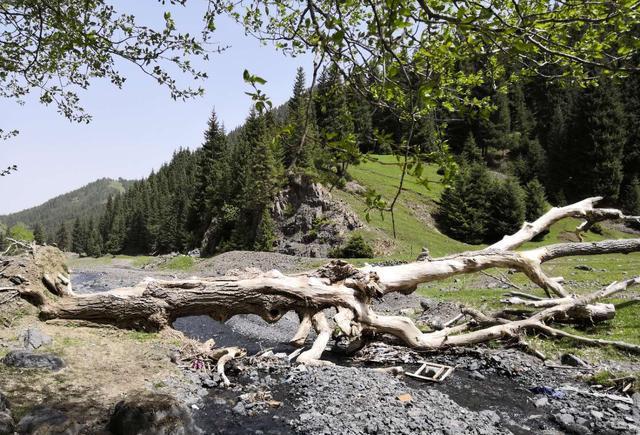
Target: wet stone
column 44, row 420
column 30, row 360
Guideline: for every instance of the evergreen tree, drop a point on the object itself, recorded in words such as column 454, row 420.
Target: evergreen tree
column 521, row 118
column 94, row 241
column 297, row 148
column 597, row 144
column 335, row 125
column 631, row 197
column 463, row 212
column 506, row 210
column 530, row 160
column 496, row 130
column 38, row 234
column 211, row 180
column 536, row 201
column 79, row 237
column 470, row 151
column 265, row 236
column 63, row 238
column 259, row 184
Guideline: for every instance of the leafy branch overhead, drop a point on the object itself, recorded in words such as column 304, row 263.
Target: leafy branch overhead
column 57, row 48
column 260, row 100
column 427, row 59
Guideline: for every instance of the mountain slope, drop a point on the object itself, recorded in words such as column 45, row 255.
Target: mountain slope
column 87, row 201
column 415, row 226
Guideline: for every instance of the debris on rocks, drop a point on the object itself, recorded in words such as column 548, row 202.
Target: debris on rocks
column 45, row 420
column 406, row 397
column 572, row 360
column 432, row 372
column 548, row 391
column 151, row 414
column 200, row 357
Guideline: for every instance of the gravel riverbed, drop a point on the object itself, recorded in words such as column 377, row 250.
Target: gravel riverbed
column 489, row 391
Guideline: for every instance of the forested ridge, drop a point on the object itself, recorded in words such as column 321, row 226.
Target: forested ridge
column 548, row 143
column 85, row 203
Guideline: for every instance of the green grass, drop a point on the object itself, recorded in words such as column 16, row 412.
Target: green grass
column 414, row 225
column 414, row 230
column 142, row 336
column 472, row 290
column 140, row 261
column 181, row 263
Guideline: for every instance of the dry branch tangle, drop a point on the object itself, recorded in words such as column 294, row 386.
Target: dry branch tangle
column 154, row 305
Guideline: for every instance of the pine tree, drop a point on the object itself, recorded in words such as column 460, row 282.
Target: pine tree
column 470, row 151
column 496, row 130
column 79, row 238
column 464, row 209
column 94, row 240
column 522, row 120
column 38, row 234
column 297, row 148
column 631, row 197
column 597, row 144
column 265, row 236
column 506, row 210
column 536, row 201
column 335, row 125
column 530, row 160
column 211, row 180
column 259, row 184
column 63, row 238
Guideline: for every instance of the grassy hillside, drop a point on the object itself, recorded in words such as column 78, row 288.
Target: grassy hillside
column 415, row 226
column 415, row 229
column 86, row 201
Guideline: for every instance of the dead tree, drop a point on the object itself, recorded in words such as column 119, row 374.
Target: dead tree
column 155, row 304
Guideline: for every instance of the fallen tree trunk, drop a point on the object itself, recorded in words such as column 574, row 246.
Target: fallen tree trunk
column 154, row 304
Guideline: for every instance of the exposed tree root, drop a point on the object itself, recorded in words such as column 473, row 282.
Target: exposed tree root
column 156, row 304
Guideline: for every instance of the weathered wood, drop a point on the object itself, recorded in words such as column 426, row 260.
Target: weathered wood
column 156, row 304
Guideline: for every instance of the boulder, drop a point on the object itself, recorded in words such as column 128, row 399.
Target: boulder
column 32, row 338
column 4, row 402
column 43, row 420
column 151, row 414
column 7, row 426
column 29, row 360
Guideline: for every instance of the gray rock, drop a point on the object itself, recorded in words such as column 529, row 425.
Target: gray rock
column 150, row 415
column 572, row 360
column 7, row 426
column 623, row 407
column 32, row 338
column 5, row 405
column 30, row 360
column 597, row 414
column 42, row 420
column 476, row 375
column 541, row 402
column 565, row 419
column 240, row 408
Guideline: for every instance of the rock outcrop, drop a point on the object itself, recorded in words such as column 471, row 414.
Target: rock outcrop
column 309, row 220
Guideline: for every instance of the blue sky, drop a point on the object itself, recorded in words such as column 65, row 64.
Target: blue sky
column 137, row 128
